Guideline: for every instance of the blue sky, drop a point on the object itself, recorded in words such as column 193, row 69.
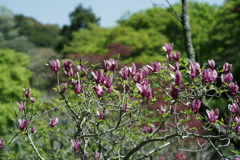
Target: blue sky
column 57, row 11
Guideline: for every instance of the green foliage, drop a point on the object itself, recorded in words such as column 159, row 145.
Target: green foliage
column 14, row 74
column 80, row 18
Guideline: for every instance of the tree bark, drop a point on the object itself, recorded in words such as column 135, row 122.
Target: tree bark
column 187, row 31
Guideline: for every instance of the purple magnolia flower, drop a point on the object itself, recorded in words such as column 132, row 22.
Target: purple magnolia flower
column 21, row 105
column 174, row 92
column 107, row 81
column 213, row 115
column 110, row 64
column 147, row 129
column 1, row 143
column 226, row 78
column 196, row 104
column 177, row 56
column 76, row 144
column 178, row 78
column 155, row 66
column 236, row 120
column 55, row 65
column 144, row 82
column 32, row 99
column 101, row 114
column 132, row 70
column 98, row 76
column 211, row 64
column 194, row 70
column 28, row 92
column 234, row 108
column 209, row 75
column 176, row 66
column 53, row 122
column 98, row 90
column 161, row 110
column 145, row 70
column 64, row 88
column 237, row 128
column 23, row 124
column 139, row 77
column 67, row 65
column 77, row 87
column 97, row 155
column 82, row 69
column 168, row 48
column 124, row 73
column 171, row 57
column 145, row 90
column 233, row 88
column 227, row 67
column 32, row 129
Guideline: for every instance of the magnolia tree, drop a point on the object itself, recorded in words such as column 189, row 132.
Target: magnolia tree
column 104, row 113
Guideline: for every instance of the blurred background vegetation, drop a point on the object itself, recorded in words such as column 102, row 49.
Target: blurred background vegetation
column 26, row 45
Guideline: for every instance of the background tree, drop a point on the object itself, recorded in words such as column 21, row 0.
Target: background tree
column 79, row 19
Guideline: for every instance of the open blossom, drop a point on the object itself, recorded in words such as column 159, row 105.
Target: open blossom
column 107, row 81
column 28, row 92
column 236, row 120
column 21, row 105
column 233, row 88
column 53, row 122
column 139, row 77
column 67, row 65
column 98, row 76
column 76, row 144
column 196, row 104
column 23, row 124
column 213, row 115
column 227, row 67
column 124, row 73
column 32, row 99
column 155, row 66
column 145, row 70
column 194, row 70
column 55, row 65
column 98, row 90
column 234, row 108
column 209, row 75
column 226, row 78
column 145, row 90
column 110, row 64
column 1, row 143
column 168, row 48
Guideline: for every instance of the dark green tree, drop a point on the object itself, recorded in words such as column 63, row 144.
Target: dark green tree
column 79, row 19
